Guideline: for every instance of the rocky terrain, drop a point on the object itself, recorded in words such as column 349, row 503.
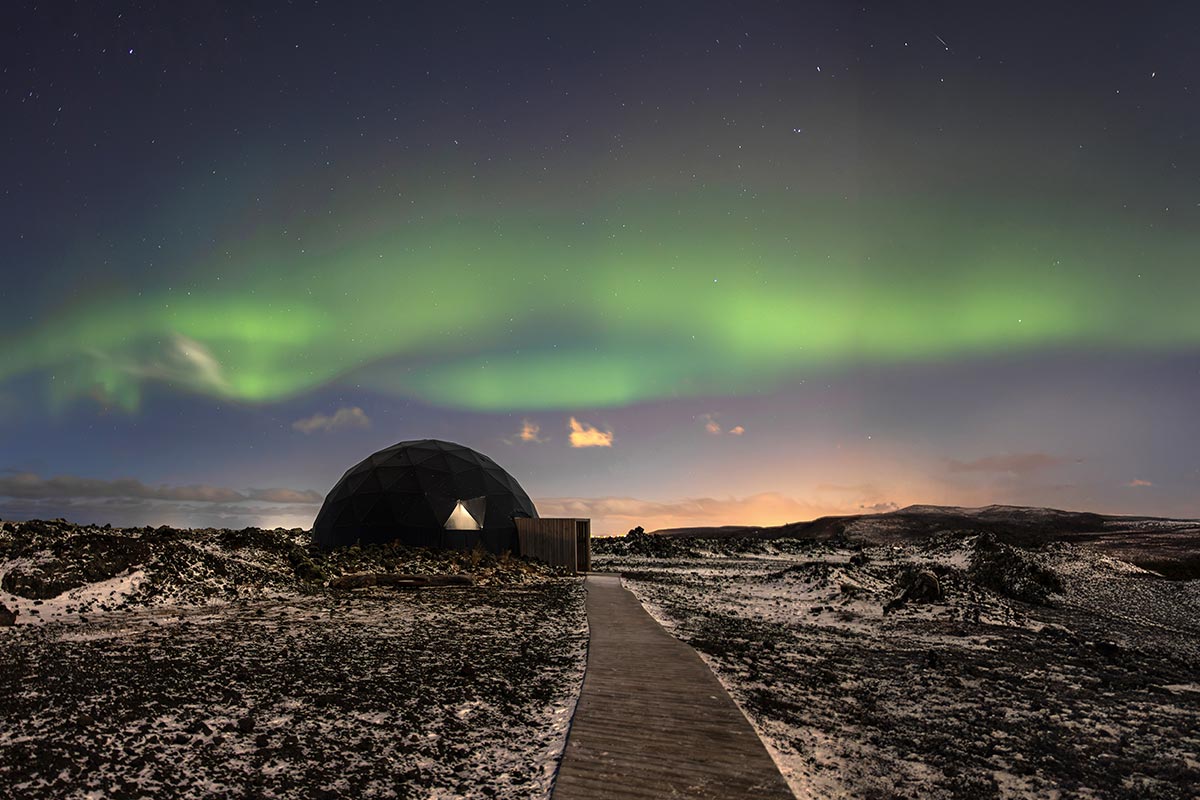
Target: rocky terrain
column 990, row 656
column 93, row 569
column 957, row 665
column 166, row 663
column 1168, row 546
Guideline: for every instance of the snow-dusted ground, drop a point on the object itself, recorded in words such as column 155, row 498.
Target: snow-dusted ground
column 454, row 692
column 187, row 675
column 979, row 695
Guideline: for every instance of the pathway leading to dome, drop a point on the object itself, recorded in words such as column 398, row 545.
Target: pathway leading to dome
column 652, row 720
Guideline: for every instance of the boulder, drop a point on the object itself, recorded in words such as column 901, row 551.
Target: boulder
column 919, row 586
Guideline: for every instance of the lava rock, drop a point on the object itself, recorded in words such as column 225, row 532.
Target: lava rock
column 199, row 727
column 919, row 586
column 41, row 582
column 1012, row 572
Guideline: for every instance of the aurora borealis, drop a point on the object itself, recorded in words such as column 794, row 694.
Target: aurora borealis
column 774, row 215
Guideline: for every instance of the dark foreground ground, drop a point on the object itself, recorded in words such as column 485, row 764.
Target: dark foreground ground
column 961, row 664
column 1046, row 672
column 263, row 685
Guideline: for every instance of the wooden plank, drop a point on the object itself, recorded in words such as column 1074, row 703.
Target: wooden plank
column 652, row 720
column 583, row 545
column 550, row 539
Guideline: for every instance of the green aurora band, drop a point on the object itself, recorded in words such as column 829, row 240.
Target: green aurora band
column 628, row 301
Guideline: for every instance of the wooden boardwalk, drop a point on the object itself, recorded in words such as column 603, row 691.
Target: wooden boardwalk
column 652, row 720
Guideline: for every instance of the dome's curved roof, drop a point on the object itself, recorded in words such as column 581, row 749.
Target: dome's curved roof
column 425, row 492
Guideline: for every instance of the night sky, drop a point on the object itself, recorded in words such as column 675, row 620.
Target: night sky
column 668, row 263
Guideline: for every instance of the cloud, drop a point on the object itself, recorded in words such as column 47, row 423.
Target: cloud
column 712, row 426
column 584, row 435
column 1015, row 463
column 130, row 512
column 29, row 486
column 878, row 508
column 1138, row 482
column 348, row 417
column 285, row 496
column 529, row 432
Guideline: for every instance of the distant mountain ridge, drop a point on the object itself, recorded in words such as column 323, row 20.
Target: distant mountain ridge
column 1169, row 544
column 919, row 521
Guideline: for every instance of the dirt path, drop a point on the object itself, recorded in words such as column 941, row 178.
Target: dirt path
column 652, row 720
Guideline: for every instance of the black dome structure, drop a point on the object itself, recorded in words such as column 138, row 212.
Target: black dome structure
column 426, row 493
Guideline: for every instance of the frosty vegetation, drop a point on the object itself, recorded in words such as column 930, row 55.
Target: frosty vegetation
column 215, row 663
column 961, row 666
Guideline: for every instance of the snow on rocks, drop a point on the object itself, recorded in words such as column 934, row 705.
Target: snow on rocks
column 978, row 693
column 203, row 664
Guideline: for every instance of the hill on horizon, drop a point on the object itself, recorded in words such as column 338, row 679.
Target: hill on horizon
column 1170, row 546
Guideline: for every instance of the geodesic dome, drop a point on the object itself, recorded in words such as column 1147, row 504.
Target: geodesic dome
column 426, row 493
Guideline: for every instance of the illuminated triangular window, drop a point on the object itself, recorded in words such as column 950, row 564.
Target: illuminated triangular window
column 460, row 519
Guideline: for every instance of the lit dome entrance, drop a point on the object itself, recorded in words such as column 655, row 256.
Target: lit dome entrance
column 466, row 515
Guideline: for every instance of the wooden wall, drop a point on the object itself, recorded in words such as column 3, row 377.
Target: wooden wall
column 583, row 545
column 558, row 541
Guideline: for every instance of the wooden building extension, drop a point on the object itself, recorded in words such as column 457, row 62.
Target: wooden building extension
column 559, row 541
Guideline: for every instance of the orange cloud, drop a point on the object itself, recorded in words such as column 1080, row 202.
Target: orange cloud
column 529, row 431
column 712, row 426
column 584, row 435
column 1136, row 482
